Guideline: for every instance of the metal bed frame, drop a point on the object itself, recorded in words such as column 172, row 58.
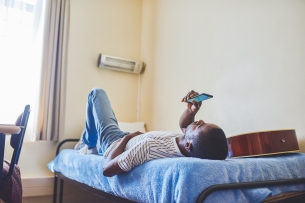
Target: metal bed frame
column 204, row 194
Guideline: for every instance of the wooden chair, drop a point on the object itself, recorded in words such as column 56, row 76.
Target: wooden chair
column 17, row 131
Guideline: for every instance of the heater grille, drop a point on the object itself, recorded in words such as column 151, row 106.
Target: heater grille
column 120, row 64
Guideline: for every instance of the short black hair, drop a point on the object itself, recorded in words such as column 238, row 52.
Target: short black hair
column 210, row 144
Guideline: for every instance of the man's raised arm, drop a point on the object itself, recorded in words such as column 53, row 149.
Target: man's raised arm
column 188, row 115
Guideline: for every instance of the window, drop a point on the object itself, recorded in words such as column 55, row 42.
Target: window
column 20, row 54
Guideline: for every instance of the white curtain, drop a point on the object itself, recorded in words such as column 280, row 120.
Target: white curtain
column 50, row 117
column 20, row 53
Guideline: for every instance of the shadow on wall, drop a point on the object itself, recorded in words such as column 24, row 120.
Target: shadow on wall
column 302, row 145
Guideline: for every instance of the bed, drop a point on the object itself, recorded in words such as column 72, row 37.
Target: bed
column 259, row 179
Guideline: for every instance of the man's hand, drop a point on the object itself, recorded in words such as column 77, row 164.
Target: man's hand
column 132, row 135
column 188, row 115
column 194, row 106
column 111, row 166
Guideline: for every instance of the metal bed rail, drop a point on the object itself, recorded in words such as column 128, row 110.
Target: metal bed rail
column 243, row 185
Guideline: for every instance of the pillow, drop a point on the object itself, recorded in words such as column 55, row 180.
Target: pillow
column 132, row 127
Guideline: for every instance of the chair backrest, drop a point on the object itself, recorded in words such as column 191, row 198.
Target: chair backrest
column 17, row 140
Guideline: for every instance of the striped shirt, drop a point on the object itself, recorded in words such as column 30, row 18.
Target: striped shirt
column 145, row 147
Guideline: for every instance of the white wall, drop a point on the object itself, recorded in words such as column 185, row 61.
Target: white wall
column 249, row 54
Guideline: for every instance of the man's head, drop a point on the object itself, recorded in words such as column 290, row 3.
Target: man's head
column 206, row 141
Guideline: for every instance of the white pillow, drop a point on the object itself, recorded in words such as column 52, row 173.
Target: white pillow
column 132, row 127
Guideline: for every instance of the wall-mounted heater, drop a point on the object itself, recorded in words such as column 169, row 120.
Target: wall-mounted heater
column 120, row 64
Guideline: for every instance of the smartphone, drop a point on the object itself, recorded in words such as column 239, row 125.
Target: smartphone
column 200, row 97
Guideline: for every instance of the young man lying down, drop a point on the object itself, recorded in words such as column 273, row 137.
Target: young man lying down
column 124, row 151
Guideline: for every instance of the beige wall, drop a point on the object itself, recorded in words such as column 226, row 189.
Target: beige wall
column 249, row 54
column 101, row 26
column 96, row 26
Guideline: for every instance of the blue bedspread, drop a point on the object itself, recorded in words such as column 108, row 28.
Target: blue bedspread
column 183, row 179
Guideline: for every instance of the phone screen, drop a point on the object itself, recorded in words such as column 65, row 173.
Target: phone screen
column 200, row 97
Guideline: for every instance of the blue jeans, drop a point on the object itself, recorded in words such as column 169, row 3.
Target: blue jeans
column 101, row 127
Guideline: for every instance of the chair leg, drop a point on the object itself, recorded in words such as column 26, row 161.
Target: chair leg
column 55, row 190
column 61, row 190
